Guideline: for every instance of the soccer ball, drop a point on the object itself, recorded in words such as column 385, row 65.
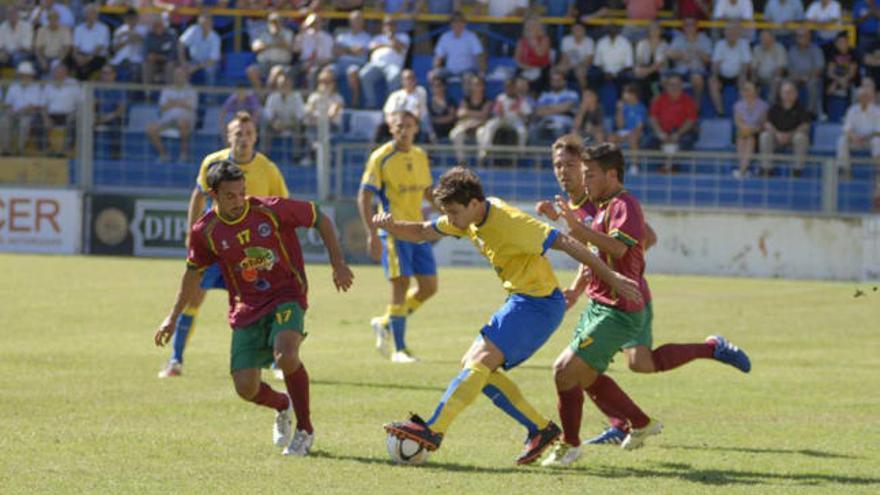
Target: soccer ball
column 405, row 451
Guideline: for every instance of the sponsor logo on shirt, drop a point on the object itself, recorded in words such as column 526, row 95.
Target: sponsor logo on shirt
column 256, row 259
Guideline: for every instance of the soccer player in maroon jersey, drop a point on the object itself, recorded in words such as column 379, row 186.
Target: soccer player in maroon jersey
column 254, row 241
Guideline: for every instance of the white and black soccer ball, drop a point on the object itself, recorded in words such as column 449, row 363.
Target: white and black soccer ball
column 405, row 451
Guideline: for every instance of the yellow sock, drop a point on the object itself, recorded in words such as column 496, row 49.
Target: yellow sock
column 462, row 390
column 515, row 398
column 192, row 312
column 412, row 304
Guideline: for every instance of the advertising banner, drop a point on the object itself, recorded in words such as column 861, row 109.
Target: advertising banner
column 40, row 221
column 34, row 170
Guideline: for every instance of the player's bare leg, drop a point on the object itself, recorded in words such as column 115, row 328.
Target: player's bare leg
column 249, row 387
column 296, row 378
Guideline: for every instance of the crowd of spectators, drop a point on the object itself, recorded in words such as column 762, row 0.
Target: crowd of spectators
column 643, row 86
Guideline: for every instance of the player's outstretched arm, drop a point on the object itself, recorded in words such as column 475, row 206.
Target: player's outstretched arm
column 545, row 207
column 342, row 275
column 650, row 237
column 189, row 285
column 365, row 208
column 577, row 287
column 627, row 288
column 406, row 231
column 604, row 242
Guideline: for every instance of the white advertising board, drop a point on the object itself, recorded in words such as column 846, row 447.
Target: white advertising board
column 40, row 221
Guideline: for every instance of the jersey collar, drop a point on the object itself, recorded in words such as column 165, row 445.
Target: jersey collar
column 580, row 203
column 604, row 202
column 486, row 216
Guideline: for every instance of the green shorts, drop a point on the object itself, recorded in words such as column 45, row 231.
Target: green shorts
column 253, row 345
column 603, row 330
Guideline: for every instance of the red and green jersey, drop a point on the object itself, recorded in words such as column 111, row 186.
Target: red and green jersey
column 259, row 255
column 585, row 211
column 621, row 218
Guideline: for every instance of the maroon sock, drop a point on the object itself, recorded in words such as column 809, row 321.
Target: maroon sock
column 608, row 392
column 270, row 398
column 571, row 407
column 615, row 418
column 298, row 389
column 671, row 356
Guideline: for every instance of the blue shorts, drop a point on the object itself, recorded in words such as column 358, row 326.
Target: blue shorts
column 405, row 259
column 212, row 278
column 523, row 324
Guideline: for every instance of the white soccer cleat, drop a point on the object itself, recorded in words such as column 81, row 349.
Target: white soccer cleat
column 301, row 444
column 283, row 429
column 404, row 357
column 383, row 336
column 171, row 369
column 278, row 374
column 562, row 454
column 637, row 437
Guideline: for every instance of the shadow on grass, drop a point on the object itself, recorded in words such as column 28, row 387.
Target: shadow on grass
column 804, row 452
column 399, row 386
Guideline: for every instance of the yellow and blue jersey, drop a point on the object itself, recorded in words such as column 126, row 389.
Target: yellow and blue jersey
column 514, row 243
column 262, row 177
column 399, row 179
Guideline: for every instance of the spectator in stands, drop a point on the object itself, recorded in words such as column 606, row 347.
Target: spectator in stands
column 472, row 113
column 406, row 8
column 871, row 63
column 630, row 119
column 351, row 49
column 511, row 110
column 442, row 110
column 61, row 95
column 40, row 15
column 650, row 61
column 160, row 47
column 177, row 106
column 273, row 46
column 787, row 126
column 694, row 9
column 614, row 56
column 783, row 11
column 53, row 42
column 387, row 56
column 589, row 121
column 110, row 110
column 315, row 48
column 866, row 13
column 861, row 129
column 731, row 60
column 749, row 114
column 769, row 62
column 128, row 47
column 555, row 109
column 673, row 118
column 25, row 102
column 411, row 98
column 691, row 54
column 325, row 101
column 284, row 114
column 459, row 52
column 806, row 66
column 584, row 10
column 532, row 53
column 576, row 54
column 199, row 50
column 731, row 10
column 646, row 10
column 91, row 41
column 506, row 8
column 825, row 12
column 244, row 99
column 176, row 21
column 16, row 39
column 842, row 68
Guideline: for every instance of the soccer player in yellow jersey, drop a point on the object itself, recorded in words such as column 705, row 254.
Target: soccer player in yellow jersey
column 514, row 243
column 262, row 178
column 399, row 175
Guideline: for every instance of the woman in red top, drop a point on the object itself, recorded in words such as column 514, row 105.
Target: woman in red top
column 533, row 53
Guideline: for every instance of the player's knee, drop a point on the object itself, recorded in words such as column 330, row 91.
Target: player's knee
column 641, row 367
column 246, row 389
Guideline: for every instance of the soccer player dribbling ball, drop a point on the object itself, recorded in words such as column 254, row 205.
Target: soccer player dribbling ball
column 254, row 241
column 515, row 244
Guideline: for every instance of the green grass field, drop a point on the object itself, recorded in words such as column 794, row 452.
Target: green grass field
column 81, row 409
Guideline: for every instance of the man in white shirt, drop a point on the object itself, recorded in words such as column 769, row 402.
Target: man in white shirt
column 25, row 101
column 614, row 56
column 387, row 55
column 741, row 10
column 861, row 129
column 274, row 46
column 16, row 39
column 199, row 50
column 769, row 61
column 459, row 52
column 731, row 60
column 61, row 96
column 411, row 98
column 177, row 106
column 128, row 47
column 511, row 110
column 283, row 117
column 691, row 54
column 91, row 40
column 556, row 107
column 39, row 16
column 315, row 48
column 825, row 12
column 351, row 49
column 577, row 52
column 783, row 11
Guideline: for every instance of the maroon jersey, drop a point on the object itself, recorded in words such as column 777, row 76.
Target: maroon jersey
column 621, row 218
column 259, row 255
column 585, row 211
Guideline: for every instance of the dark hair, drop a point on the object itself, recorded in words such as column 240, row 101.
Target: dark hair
column 457, row 16
column 631, row 88
column 571, row 143
column 222, row 171
column 458, row 185
column 608, row 156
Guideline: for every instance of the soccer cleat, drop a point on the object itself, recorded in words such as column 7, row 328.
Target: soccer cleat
column 538, row 443
column 416, row 430
column 611, row 436
column 301, row 444
column 637, row 436
column 383, row 336
column 172, row 368
column 730, row 354
column 562, row 454
column 282, row 430
column 278, row 374
column 403, row 356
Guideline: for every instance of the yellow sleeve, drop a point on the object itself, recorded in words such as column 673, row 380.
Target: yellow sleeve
column 277, row 186
column 531, row 236
column 445, row 227
column 372, row 178
column 202, row 179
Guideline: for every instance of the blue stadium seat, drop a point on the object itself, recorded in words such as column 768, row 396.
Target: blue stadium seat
column 836, row 106
column 234, row 65
column 210, row 122
column 421, row 65
column 139, row 116
column 715, row 135
column 825, row 136
column 362, row 124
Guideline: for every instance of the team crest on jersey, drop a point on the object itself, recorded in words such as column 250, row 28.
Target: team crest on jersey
column 256, row 259
column 224, row 244
column 264, row 229
column 262, row 284
column 588, row 220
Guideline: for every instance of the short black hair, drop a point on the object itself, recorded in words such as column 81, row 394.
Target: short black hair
column 222, row 171
column 458, row 185
column 608, row 156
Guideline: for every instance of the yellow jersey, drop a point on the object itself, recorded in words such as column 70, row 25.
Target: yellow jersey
column 262, row 177
column 514, row 243
column 399, row 179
